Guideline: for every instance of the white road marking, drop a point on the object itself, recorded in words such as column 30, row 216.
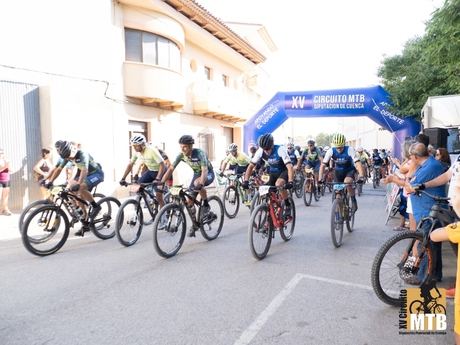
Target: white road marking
column 263, row 317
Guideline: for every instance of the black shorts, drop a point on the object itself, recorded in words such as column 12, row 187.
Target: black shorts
column 273, row 177
column 340, row 175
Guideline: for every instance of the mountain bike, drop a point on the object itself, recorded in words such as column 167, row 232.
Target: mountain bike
column 135, row 213
column 433, row 307
column 309, row 187
column 170, row 224
column 47, row 227
column 267, row 218
column 341, row 212
column 49, row 201
column 401, row 255
column 298, row 184
column 234, row 194
column 376, row 176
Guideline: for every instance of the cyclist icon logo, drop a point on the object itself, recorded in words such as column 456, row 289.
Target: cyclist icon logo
column 428, row 304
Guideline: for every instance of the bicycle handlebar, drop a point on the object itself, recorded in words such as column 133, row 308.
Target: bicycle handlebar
column 434, row 197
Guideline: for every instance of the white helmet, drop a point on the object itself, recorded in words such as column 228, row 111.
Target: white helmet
column 359, row 149
column 138, row 139
column 232, row 147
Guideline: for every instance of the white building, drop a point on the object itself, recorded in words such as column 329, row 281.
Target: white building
column 97, row 71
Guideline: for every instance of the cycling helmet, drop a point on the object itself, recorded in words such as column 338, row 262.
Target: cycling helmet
column 58, row 144
column 338, row 140
column 186, row 140
column 310, row 142
column 266, row 141
column 359, row 149
column 232, row 147
column 65, row 149
column 290, row 146
column 138, row 139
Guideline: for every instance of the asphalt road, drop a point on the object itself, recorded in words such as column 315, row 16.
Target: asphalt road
column 304, row 292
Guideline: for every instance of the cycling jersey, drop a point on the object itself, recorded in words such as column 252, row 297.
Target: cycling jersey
column 197, row 161
column 363, row 157
column 294, row 155
column 82, row 160
column 276, row 161
column 241, row 159
column 311, row 155
column 151, row 157
column 376, row 159
column 343, row 161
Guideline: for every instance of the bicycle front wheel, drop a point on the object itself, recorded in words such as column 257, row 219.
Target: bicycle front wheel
column 212, row 223
column 231, row 201
column 129, row 222
column 169, row 230
column 260, row 232
column 28, row 210
column 391, row 268
column 350, row 216
column 103, row 224
column 45, row 230
column 255, row 201
column 337, row 223
column 307, row 191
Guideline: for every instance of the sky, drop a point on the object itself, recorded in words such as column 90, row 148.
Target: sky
column 329, row 44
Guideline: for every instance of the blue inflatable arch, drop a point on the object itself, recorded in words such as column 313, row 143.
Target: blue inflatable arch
column 371, row 102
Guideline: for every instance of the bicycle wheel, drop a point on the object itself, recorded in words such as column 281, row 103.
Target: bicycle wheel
column 316, row 192
column 391, row 265
column 231, row 201
column 260, row 232
column 129, row 222
column 307, row 191
column 28, row 210
column 45, row 230
column 359, row 188
column 256, row 200
column 169, row 230
column 416, row 307
column 287, row 230
column 298, row 185
column 147, row 218
column 349, row 216
column 103, row 224
column 211, row 224
column 337, row 223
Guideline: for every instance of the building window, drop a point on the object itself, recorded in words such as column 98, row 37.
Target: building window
column 206, row 143
column 207, row 72
column 225, row 80
column 148, row 48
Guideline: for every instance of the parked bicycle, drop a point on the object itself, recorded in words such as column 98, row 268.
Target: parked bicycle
column 135, row 213
column 341, row 212
column 310, row 189
column 401, row 255
column 268, row 218
column 170, row 225
column 234, row 194
column 47, row 227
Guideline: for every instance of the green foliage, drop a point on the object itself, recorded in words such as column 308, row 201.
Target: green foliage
column 428, row 65
column 323, row 139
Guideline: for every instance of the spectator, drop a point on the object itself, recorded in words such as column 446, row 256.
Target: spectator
column 42, row 170
column 431, row 150
column 442, row 155
column 4, row 183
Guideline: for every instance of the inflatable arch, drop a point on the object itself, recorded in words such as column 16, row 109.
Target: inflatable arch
column 371, row 102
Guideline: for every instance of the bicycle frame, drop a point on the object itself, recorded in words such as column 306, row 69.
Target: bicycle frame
column 181, row 198
column 273, row 200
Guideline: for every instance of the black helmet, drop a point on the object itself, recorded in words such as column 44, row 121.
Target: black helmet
column 65, row 149
column 186, row 140
column 58, row 144
column 266, row 141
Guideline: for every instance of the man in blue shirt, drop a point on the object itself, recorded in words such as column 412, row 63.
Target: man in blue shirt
column 428, row 169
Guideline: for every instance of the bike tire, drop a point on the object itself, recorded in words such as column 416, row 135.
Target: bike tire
column 336, row 223
column 287, row 235
column 307, row 195
column 29, row 208
column 256, row 200
column 211, row 230
column 263, row 231
column 38, row 222
column 350, row 220
column 316, row 192
column 129, row 222
column 103, row 224
column 388, row 284
column 174, row 228
column 231, row 197
column 298, row 187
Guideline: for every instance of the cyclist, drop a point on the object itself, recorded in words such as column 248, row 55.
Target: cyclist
column 89, row 174
column 377, row 161
column 152, row 159
column 312, row 157
column 346, row 164
column 203, row 174
column 237, row 159
column 386, row 162
column 293, row 154
column 280, row 167
column 364, row 159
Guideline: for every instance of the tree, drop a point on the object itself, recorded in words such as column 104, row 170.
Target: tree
column 323, row 139
column 428, row 65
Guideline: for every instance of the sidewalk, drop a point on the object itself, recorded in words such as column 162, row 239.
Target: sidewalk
column 9, row 227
